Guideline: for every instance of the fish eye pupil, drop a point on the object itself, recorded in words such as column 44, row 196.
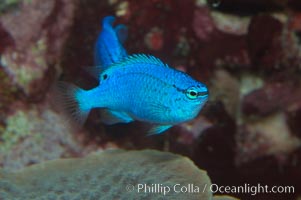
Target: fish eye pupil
column 193, row 93
column 105, row 76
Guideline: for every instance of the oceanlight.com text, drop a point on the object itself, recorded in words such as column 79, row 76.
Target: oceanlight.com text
column 251, row 189
column 214, row 188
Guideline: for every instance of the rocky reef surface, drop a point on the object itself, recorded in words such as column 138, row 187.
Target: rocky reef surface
column 247, row 52
column 92, row 178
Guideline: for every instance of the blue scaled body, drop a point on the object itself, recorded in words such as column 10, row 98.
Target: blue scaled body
column 135, row 87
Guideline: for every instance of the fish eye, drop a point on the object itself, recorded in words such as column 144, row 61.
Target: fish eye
column 192, row 93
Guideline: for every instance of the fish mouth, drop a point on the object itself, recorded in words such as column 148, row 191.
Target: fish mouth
column 203, row 94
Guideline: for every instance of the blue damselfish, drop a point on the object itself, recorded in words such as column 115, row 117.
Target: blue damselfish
column 135, row 87
column 108, row 48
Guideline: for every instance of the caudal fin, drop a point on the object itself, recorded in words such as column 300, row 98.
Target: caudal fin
column 71, row 98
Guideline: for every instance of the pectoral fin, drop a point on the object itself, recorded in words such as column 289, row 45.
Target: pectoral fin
column 157, row 110
column 158, row 129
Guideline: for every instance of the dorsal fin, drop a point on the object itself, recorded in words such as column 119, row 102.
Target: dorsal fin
column 140, row 58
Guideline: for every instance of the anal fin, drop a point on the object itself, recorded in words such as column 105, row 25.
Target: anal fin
column 110, row 117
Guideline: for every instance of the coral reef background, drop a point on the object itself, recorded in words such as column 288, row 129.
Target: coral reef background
column 247, row 52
